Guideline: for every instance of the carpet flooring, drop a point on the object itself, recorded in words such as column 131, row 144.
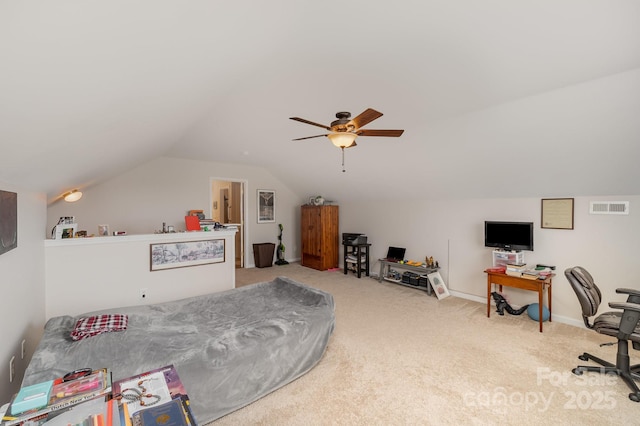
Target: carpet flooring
column 401, row 357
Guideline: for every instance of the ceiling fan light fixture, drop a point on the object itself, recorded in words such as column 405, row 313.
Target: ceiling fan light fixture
column 72, row 196
column 342, row 139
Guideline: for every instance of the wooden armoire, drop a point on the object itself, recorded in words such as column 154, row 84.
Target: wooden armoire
column 320, row 242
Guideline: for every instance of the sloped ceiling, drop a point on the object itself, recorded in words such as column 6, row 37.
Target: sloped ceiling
column 546, row 91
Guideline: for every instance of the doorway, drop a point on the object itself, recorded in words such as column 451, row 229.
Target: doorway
column 228, row 208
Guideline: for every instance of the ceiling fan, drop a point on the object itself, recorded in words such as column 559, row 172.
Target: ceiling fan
column 345, row 130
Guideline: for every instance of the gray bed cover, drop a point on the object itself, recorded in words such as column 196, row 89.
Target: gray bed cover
column 229, row 348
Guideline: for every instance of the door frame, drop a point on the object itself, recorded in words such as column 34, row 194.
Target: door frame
column 245, row 207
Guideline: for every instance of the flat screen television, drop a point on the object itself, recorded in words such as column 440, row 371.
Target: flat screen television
column 509, row 235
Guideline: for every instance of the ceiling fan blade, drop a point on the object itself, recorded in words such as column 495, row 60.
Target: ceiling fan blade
column 302, row 120
column 309, row 137
column 372, row 132
column 365, row 118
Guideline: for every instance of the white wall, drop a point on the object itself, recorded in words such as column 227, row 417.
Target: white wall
column 89, row 274
column 164, row 189
column 22, row 289
column 449, row 230
column 452, row 231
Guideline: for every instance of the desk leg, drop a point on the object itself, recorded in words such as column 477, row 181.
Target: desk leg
column 540, row 291
column 549, row 297
column 488, row 296
column 367, row 263
column 344, row 258
column 381, row 272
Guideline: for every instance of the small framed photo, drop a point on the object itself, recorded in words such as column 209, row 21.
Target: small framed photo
column 266, row 206
column 438, row 285
column 557, row 213
column 65, row 230
column 103, row 230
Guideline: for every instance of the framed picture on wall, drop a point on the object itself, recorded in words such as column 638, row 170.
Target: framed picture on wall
column 186, row 253
column 8, row 221
column 557, row 213
column 266, row 206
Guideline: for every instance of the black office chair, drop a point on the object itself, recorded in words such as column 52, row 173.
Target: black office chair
column 622, row 325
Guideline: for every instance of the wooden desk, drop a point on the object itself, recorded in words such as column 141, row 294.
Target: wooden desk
column 523, row 283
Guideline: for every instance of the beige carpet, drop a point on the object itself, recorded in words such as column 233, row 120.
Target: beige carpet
column 400, row 357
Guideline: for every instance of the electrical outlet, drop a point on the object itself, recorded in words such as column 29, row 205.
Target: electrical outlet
column 22, row 348
column 12, row 368
column 143, row 294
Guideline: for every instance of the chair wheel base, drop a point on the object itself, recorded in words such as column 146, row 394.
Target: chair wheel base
column 634, row 397
column 577, row 371
column 583, row 357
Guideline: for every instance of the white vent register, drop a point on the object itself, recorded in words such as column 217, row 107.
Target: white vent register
column 609, row 207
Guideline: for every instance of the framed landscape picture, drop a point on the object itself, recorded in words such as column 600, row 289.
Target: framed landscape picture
column 266, row 206
column 186, row 253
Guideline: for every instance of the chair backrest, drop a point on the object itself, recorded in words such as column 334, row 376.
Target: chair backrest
column 587, row 291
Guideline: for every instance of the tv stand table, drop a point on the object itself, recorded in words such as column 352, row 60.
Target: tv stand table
column 385, row 265
column 538, row 285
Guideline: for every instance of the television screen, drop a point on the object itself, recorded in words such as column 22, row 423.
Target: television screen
column 509, row 235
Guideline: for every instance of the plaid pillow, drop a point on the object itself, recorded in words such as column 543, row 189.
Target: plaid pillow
column 98, row 324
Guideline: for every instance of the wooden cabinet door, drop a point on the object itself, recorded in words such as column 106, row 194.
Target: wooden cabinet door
column 330, row 237
column 319, row 237
column 311, row 231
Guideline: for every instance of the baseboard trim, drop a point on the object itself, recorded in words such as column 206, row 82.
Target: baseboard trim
column 556, row 318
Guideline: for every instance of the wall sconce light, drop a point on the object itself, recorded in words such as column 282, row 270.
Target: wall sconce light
column 72, row 196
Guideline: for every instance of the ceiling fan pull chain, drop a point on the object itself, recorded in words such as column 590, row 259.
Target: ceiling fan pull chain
column 342, row 148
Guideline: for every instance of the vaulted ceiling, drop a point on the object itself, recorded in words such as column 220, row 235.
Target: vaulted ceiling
column 547, row 91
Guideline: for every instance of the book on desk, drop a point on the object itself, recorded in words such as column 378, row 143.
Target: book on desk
column 515, row 269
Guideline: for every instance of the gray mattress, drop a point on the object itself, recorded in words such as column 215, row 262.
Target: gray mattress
column 229, row 348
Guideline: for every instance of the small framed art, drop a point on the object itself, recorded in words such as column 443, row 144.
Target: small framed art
column 266, row 206
column 103, row 230
column 65, row 230
column 438, row 285
column 557, row 213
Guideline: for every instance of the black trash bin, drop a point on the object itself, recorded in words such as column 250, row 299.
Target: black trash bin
column 263, row 254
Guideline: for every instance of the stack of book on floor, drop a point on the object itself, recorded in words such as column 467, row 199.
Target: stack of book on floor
column 156, row 397
column 515, row 269
column 95, row 412
column 43, row 403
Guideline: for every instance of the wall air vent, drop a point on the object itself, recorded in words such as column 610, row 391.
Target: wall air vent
column 609, row 207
